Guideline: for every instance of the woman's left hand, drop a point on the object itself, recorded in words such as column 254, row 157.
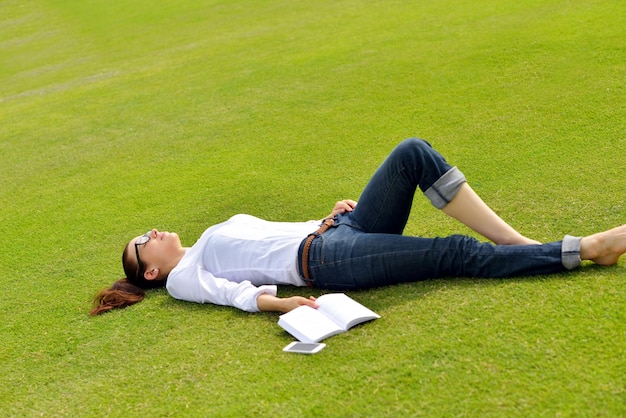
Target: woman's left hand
column 343, row 206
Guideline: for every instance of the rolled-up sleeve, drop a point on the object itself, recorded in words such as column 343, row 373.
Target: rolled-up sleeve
column 200, row 286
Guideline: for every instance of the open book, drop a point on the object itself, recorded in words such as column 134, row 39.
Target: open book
column 337, row 313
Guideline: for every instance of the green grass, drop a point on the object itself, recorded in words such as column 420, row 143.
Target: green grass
column 120, row 116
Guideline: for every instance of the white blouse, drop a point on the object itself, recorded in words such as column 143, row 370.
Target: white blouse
column 234, row 262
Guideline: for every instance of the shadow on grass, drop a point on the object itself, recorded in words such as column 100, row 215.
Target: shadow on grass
column 383, row 298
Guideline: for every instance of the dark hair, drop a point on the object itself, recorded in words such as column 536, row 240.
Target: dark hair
column 126, row 291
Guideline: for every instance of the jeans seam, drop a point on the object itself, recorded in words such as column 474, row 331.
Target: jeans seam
column 387, row 194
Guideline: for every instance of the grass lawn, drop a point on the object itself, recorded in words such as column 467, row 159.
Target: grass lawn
column 120, row 116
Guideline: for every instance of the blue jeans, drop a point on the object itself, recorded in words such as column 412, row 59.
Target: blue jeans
column 365, row 248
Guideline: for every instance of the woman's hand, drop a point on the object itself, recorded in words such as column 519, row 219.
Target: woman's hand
column 297, row 301
column 271, row 303
column 342, row 206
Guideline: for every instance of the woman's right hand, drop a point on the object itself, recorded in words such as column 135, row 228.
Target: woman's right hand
column 271, row 303
column 294, row 302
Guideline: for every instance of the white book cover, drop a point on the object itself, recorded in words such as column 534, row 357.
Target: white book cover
column 336, row 313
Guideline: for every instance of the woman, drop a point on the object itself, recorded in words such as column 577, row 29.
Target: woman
column 239, row 262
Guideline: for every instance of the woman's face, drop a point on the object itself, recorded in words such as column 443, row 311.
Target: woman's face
column 155, row 249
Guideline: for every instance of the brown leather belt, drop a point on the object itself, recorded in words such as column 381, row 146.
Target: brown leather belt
column 328, row 223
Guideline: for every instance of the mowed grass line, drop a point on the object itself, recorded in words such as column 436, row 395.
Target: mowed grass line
column 119, row 117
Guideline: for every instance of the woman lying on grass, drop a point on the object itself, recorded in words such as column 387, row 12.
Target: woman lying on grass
column 239, row 262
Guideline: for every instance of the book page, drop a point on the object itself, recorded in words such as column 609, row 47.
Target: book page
column 345, row 311
column 308, row 325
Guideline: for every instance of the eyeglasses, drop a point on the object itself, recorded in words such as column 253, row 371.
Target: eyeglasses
column 142, row 240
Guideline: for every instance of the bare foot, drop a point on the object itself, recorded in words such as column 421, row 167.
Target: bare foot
column 604, row 248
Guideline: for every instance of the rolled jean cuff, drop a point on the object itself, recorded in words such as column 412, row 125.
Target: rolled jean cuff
column 445, row 188
column 570, row 252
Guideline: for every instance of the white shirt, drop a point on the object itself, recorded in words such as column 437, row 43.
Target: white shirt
column 234, row 262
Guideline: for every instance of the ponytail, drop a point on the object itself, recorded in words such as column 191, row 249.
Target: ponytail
column 122, row 294
column 126, row 291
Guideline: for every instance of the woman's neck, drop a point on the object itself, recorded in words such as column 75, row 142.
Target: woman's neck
column 167, row 269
